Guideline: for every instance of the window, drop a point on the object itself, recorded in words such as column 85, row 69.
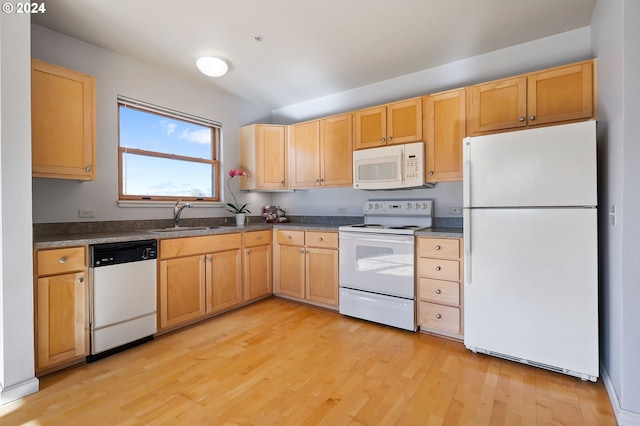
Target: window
column 166, row 155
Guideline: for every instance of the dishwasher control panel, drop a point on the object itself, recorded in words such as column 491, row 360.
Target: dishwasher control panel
column 123, row 252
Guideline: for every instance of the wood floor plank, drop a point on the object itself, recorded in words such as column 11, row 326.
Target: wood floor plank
column 278, row 362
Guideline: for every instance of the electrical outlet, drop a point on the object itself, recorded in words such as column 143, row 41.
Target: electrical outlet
column 86, row 213
column 342, row 210
column 455, row 209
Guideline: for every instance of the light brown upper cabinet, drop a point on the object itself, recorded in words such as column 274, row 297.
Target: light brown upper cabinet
column 321, row 152
column 445, row 128
column 63, row 123
column 394, row 123
column 555, row 95
column 263, row 154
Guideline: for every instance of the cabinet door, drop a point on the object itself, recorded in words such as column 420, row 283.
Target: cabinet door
column 224, row 282
column 63, row 130
column 322, row 276
column 257, row 272
column 62, row 322
column 371, row 127
column 271, row 153
column 291, row 271
column 560, row 94
column 404, row 121
column 336, row 146
column 305, row 154
column 498, row 105
column 446, row 125
column 182, row 290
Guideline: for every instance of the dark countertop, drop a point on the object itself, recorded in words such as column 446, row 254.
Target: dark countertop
column 53, row 241
column 440, row 232
column 67, row 240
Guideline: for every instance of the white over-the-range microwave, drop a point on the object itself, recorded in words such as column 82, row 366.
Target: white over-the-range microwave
column 389, row 167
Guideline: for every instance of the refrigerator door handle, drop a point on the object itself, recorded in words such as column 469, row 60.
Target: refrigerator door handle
column 466, row 234
column 466, row 172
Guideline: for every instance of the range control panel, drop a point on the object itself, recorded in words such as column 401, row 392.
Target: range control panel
column 401, row 207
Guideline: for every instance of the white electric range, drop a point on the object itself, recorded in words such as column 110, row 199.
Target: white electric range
column 377, row 262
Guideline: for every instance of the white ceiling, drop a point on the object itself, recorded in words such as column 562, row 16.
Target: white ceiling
column 310, row 48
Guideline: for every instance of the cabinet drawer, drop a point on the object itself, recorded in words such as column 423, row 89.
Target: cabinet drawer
column 439, row 316
column 446, row 292
column 61, row 260
column 439, row 268
column 321, row 239
column 446, row 248
column 189, row 246
column 290, row 238
column 257, row 238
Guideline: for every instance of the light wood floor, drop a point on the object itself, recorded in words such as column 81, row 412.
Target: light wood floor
column 280, row 362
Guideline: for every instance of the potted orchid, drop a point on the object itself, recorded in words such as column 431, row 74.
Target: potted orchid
column 235, row 208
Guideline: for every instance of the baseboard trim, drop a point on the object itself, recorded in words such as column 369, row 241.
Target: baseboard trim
column 19, row 390
column 623, row 417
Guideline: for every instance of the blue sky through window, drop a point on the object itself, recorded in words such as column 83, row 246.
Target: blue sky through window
column 157, row 176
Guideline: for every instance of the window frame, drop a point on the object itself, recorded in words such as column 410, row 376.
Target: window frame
column 216, row 136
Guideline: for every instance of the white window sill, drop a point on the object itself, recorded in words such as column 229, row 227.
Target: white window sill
column 165, row 204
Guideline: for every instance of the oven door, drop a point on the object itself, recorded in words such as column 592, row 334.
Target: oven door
column 378, row 263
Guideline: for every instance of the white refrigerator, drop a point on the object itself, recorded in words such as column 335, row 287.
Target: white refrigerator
column 530, row 247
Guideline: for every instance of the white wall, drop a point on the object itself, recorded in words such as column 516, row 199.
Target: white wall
column 16, row 280
column 56, row 200
column 615, row 36
column 560, row 49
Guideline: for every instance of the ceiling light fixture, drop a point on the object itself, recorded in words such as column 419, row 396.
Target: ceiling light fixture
column 213, row 66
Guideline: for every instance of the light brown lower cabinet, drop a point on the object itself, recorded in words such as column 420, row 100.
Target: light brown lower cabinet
column 439, row 284
column 258, row 260
column 198, row 276
column 62, row 307
column 306, row 266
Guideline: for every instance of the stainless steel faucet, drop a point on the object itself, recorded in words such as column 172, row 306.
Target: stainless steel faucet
column 177, row 210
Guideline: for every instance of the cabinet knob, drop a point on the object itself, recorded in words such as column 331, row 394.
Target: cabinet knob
column 438, row 316
column 438, row 291
column 317, row 180
column 438, row 268
column 390, row 138
column 522, row 119
column 282, row 182
column 88, row 168
column 430, row 172
column 248, row 252
column 259, row 237
column 63, row 259
column 80, row 280
column 288, row 237
column 532, row 117
column 382, row 140
column 320, row 239
column 437, row 247
column 301, row 251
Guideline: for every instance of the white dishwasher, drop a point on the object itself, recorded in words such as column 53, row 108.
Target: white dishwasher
column 122, row 296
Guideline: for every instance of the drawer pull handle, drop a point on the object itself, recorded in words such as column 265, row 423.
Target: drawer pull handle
column 63, row 259
column 259, row 237
column 438, row 316
column 320, row 239
column 438, row 268
column 437, row 247
column 438, row 291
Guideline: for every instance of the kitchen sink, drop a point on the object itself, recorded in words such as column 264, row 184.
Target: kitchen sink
column 178, row 229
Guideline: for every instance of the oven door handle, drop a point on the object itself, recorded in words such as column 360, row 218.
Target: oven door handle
column 381, row 238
